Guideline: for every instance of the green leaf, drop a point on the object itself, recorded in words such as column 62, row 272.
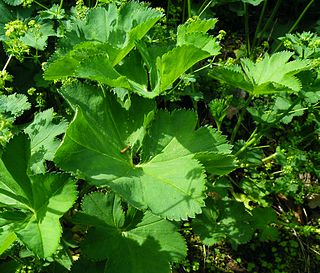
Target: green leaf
column 85, row 265
column 224, row 219
column 37, row 201
column 147, row 244
column 233, row 75
column 272, row 74
column 89, row 60
column 7, row 238
column 253, row 2
column 13, row 106
column 191, row 27
column 54, row 194
column 55, row 12
column 195, row 33
column 37, row 38
column 283, row 103
column 174, row 63
column 269, row 114
column 99, row 59
column 218, row 164
column 6, row 16
column 15, row 185
column 119, row 28
column 13, row 2
column 262, row 218
column 61, row 259
column 43, row 132
column 113, row 139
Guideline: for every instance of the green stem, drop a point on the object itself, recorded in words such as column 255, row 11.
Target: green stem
column 252, row 140
column 300, row 17
column 240, row 119
column 296, row 23
column 286, row 112
column 246, row 27
column 205, row 66
column 218, row 125
column 189, row 8
column 254, row 137
column 259, row 23
column 203, row 5
column 184, row 11
column 167, row 13
column 60, row 6
column 205, row 8
column 271, row 18
column 39, row 4
column 269, row 157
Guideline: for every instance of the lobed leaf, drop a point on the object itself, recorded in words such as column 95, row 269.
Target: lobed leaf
column 38, row 38
column 110, row 138
column 272, row 74
column 119, row 28
column 145, row 244
column 13, row 106
column 107, row 37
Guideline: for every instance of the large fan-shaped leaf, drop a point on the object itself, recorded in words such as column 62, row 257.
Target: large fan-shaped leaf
column 143, row 244
column 168, row 179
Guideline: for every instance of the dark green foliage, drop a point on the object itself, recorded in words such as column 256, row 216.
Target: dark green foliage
column 139, row 139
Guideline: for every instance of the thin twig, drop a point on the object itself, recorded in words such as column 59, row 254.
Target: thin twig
column 6, row 64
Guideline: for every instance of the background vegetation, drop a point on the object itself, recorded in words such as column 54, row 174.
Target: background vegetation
column 228, row 90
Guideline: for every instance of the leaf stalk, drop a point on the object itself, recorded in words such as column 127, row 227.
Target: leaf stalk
column 6, row 64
